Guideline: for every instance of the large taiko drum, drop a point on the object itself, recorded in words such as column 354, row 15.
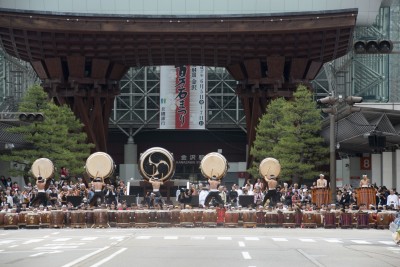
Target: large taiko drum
column 99, row 164
column 45, row 219
column 268, row 167
column 309, row 219
column 289, row 219
column 210, row 218
column 11, row 221
column 320, row 196
column 231, row 218
column 22, row 219
column 198, row 217
column 366, row 195
column 175, row 217
column 156, row 162
column 122, row 218
column 32, row 220
column 89, row 215
column 67, row 218
column 141, row 218
column 100, row 218
column 260, row 218
column 187, row 218
column 132, row 218
column 78, row 219
column 153, row 218
column 57, row 219
column 214, row 164
column 362, row 220
column 42, row 167
column 112, row 217
column 330, row 220
column 164, row 218
column 271, row 219
column 346, row 220
column 249, row 218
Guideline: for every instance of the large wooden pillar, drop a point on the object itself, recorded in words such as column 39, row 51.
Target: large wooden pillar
column 88, row 86
column 260, row 81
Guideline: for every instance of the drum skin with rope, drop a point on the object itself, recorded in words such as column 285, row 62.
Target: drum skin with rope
column 42, row 167
column 99, row 164
column 156, row 163
column 268, row 167
column 214, row 164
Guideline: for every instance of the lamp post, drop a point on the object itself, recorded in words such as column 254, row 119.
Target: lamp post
column 333, row 102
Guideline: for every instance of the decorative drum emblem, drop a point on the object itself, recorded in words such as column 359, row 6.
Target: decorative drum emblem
column 156, row 163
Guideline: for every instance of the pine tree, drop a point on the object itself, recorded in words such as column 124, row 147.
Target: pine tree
column 292, row 135
column 59, row 137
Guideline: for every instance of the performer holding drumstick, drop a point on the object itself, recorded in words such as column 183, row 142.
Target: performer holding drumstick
column 41, row 196
column 98, row 185
column 214, row 192
column 272, row 195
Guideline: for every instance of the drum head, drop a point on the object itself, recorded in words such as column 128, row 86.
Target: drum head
column 99, row 164
column 42, row 167
column 270, row 166
column 156, row 162
column 214, row 164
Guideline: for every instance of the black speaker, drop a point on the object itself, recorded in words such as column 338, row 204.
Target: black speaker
column 75, row 200
column 377, row 141
column 246, row 200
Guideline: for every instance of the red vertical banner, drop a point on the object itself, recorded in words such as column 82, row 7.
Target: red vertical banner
column 182, row 115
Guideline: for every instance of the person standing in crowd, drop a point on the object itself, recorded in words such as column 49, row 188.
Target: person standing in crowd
column 222, row 193
column 64, row 174
column 392, row 200
column 233, row 196
column 110, row 194
column 258, row 196
column 202, row 194
column 344, row 199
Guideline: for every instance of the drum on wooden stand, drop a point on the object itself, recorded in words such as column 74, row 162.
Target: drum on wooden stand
column 42, row 167
column 32, row 220
column 320, row 196
column 175, row 217
column 198, row 217
column 289, row 219
column 164, row 218
column 78, row 219
column 141, row 218
column 11, row 221
column 2, row 215
column 210, row 218
column 269, row 166
column 89, row 215
column 22, row 219
column 153, row 218
column 231, row 218
column 122, row 218
column 214, row 164
column 383, row 220
column 362, row 220
column 346, row 220
column 57, row 219
column 45, row 219
column 187, row 218
column 112, row 217
column 100, row 218
column 249, row 218
column 309, row 219
column 260, row 213
column 271, row 219
column 330, row 220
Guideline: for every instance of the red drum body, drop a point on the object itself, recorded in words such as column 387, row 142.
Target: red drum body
column 89, row 218
column 22, row 219
column 56, row 219
column 320, row 196
column 45, row 219
column 221, row 216
column 249, row 218
column 164, row 218
column 210, row 218
column 309, row 219
column 11, row 221
column 346, row 220
column 112, row 217
column 78, row 219
column 100, row 218
column 187, row 218
column 260, row 218
column 122, row 218
column 383, row 219
column 175, row 217
column 271, row 219
column 141, row 218
column 298, row 218
column 231, row 218
column 362, row 220
column 32, row 220
column 288, row 219
column 198, row 217
column 330, row 220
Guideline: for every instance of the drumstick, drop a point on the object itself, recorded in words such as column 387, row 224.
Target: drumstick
column 39, row 169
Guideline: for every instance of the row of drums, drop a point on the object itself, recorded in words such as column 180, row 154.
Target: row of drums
column 102, row 218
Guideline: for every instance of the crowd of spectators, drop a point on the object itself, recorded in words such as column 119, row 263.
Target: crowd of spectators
column 294, row 196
